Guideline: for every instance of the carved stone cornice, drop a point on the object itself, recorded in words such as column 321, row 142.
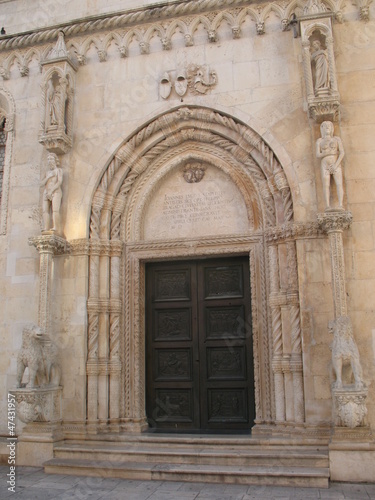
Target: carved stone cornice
column 334, row 221
column 144, row 23
column 50, row 243
column 292, row 231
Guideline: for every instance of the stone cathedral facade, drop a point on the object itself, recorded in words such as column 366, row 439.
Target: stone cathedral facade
column 187, row 234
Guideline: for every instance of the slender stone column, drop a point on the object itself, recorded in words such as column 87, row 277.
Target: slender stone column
column 114, row 332
column 93, row 335
column 48, row 245
column 334, row 223
column 296, row 338
column 277, row 341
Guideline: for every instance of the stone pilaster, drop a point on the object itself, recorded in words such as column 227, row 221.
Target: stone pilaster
column 334, row 223
column 48, row 245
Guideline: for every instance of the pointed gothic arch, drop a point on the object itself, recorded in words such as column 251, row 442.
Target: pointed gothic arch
column 118, row 251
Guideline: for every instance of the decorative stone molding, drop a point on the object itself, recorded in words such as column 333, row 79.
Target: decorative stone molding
column 38, row 405
column 165, row 21
column 56, row 126
column 319, row 66
column 292, row 231
column 7, row 112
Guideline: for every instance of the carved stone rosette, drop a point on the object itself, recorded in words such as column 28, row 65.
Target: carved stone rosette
column 56, row 123
column 350, row 407
column 323, row 98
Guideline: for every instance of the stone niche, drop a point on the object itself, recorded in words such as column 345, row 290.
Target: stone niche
column 195, row 200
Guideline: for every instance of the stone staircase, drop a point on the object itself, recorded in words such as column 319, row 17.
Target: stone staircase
column 215, row 459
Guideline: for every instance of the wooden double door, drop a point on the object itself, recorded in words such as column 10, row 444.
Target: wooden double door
column 199, row 360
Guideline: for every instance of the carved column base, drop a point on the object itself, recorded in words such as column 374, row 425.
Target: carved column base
column 350, row 407
column 135, row 426
column 40, row 409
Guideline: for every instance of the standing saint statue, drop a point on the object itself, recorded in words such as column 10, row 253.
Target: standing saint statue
column 52, row 104
column 330, row 149
column 319, row 61
column 52, row 194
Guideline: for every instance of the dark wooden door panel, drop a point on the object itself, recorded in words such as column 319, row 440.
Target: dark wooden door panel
column 199, row 345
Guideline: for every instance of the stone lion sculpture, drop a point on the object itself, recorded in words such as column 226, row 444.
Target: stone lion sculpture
column 39, row 355
column 345, row 351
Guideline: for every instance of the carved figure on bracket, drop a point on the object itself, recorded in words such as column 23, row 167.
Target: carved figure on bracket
column 52, row 194
column 40, row 356
column 344, row 351
column 330, row 149
column 319, row 60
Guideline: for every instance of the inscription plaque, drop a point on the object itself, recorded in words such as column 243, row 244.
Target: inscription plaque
column 182, row 209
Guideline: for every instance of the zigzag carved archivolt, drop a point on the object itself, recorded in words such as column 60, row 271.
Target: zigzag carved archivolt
column 139, row 26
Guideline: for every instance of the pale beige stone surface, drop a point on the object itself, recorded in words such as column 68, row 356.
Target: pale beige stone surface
column 260, row 84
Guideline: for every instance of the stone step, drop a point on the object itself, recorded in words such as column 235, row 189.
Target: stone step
column 195, row 454
column 252, row 475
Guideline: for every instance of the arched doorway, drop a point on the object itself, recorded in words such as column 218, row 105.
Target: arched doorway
column 191, row 184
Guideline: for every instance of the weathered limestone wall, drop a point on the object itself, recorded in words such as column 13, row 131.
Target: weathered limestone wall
column 259, row 81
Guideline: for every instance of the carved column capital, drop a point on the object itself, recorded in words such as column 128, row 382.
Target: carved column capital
column 334, row 221
column 50, row 243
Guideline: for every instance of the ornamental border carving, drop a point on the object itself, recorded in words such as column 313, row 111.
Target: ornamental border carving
column 182, row 18
column 7, row 110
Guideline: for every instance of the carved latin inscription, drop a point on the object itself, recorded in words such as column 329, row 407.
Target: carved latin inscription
column 210, row 206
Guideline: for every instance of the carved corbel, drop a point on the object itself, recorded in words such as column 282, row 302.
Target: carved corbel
column 319, row 66
column 58, row 84
column 364, row 9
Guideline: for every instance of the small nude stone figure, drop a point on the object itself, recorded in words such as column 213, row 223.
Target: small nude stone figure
column 52, row 194
column 330, row 149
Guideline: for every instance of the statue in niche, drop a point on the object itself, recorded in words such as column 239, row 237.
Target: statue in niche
column 330, row 149
column 319, row 60
column 52, row 104
column 345, row 351
column 52, row 194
